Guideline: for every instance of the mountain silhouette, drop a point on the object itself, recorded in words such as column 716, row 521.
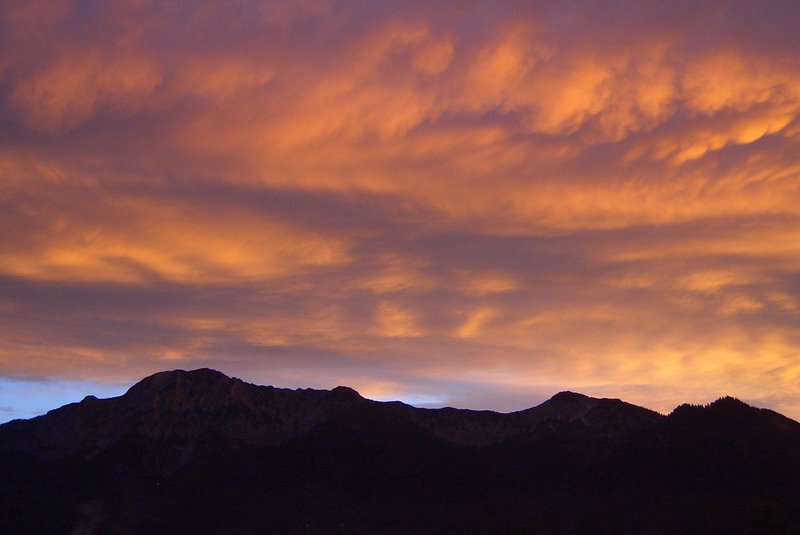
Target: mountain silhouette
column 201, row 452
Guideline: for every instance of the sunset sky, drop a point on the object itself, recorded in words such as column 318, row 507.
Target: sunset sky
column 467, row 203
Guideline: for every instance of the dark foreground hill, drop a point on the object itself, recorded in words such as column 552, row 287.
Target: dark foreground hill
column 199, row 452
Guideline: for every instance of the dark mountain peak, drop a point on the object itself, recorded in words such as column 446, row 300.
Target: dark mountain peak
column 728, row 403
column 199, row 378
column 610, row 414
column 686, row 409
column 345, row 393
column 202, row 389
column 572, row 401
column 563, row 406
column 483, row 428
column 731, row 413
column 569, row 396
column 723, row 405
column 568, row 399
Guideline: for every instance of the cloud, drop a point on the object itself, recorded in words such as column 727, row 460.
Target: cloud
column 429, row 199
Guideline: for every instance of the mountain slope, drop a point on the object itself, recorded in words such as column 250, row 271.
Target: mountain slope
column 199, row 452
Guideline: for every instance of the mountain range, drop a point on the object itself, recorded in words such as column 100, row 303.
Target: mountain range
column 200, row 452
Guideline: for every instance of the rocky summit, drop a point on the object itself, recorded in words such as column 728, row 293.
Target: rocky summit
column 201, row 452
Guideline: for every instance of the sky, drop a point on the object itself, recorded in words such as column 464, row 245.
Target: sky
column 471, row 203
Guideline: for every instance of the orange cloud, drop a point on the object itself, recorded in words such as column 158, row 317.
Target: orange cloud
column 178, row 242
column 69, row 93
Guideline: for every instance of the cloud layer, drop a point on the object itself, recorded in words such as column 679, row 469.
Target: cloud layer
column 462, row 202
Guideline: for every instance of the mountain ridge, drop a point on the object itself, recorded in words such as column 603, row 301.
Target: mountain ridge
column 166, row 394
column 199, row 452
column 206, row 377
column 283, row 414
